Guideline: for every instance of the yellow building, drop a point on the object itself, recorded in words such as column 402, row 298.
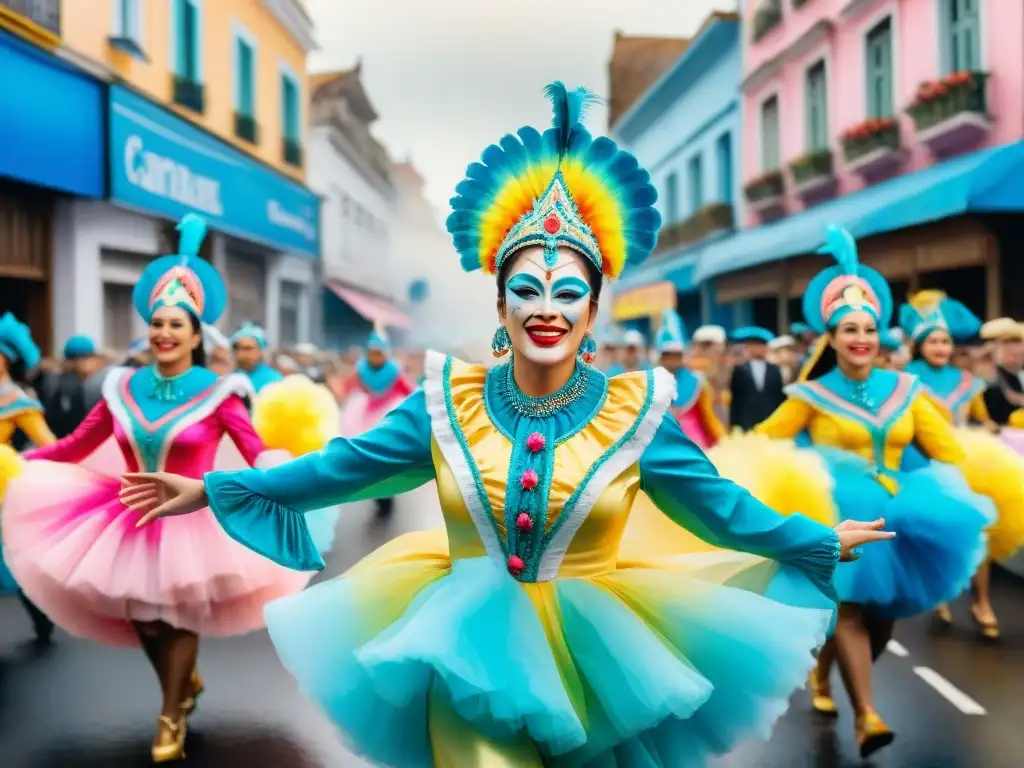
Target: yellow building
column 135, row 112
column 235, row 67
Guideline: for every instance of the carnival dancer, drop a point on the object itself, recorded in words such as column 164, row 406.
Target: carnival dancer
column 517, row 637
column 934, row 322
column 1005, row 395
column 249, row 344
column 20, row 412
column 75, row 548
column 861, row 419
column 756, row 384
column 377, row 385
column 694, row 403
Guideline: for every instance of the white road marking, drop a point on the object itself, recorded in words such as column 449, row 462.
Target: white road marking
column 950, row 692
column 897, row 649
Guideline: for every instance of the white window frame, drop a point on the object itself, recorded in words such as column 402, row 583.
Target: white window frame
column 822, row 56
column 200, row 38
column 899, row 97
column 766, row 96
column 121, row 29
column 240, row 33
column 285, row 70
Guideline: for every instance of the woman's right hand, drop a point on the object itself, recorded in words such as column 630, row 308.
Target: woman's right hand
column 161, row 494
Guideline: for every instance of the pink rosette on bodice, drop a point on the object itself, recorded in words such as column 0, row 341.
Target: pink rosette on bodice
column 76, row 551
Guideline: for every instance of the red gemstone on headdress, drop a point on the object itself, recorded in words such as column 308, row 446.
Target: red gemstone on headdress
column 552, row 224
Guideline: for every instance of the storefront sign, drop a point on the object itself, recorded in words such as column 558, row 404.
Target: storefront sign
column 51, row 121
column 161, row 163
column 647, row 301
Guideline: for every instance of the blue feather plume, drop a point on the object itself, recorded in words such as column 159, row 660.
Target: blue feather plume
column 193, row 230
column 569, row 107
column 842, row 247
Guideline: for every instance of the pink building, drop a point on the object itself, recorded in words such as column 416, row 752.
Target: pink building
column 849, row 106
column 817, row 69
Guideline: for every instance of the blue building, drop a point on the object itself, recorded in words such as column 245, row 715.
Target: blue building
column 51, row 153
column 684, row 128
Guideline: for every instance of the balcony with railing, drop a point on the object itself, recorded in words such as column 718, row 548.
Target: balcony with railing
column 951, row 115
column 291, row 151
column 711, row 219
column 246, row 128
column 189, row 94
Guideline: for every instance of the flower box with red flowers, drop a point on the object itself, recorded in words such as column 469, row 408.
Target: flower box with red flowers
column 766, row 187
column 955, row 94
column 871, row 135
column 814, row 165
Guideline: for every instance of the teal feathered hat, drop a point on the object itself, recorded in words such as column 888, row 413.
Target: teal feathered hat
column 79, row 346
column 250, row 331
column 846, row 287
column 183, row 279
column 16, row 342
column 378, row 340
column 559, row 188
column 671, row 336
column 930, row 310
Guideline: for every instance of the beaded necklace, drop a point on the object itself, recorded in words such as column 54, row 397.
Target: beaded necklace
column 541, row 407
column 167, row 389
column 857, row 392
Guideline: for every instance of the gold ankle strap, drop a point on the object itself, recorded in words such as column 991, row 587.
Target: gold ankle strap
column 172, row 726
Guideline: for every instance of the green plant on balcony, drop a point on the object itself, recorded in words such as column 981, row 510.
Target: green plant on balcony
column 767, row 16
column 869, row 136
column 188, row 93
column 813, row 165
column 798, row 4
column 292, row 151
column 939, row 100
column 764, row 187
column 711, row 218
column 246, row 128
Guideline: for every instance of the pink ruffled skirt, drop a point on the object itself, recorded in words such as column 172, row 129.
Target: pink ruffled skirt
column 361, row 411
column 75, row 551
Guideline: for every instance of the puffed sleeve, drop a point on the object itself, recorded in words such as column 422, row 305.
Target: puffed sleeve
column 34, row 425
column 235, row 420
column 712, row 424
column 90, row 434
column 788, row 420
column 263, row 508
column 687, row 488
column 933, row 434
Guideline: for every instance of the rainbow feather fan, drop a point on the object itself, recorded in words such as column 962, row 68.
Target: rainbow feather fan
column 505, row 199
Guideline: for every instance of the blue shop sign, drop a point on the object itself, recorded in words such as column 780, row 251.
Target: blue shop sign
column 51, row 121
column 161, row 163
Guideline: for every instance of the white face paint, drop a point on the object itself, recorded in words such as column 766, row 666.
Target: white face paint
column 547, row 310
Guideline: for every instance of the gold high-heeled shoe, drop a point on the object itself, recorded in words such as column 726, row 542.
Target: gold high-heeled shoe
column 169, row 744
column 988, row 629
column 943, row 616
column 872, row 734
column 821, row 696
column 188, row 705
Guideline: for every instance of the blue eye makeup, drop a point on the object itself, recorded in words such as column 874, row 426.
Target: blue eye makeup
column 570, row 289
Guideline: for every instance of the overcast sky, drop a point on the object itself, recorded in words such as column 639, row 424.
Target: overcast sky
column 449, row 77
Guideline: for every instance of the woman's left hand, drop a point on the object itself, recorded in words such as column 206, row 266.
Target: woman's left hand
column 853, row 534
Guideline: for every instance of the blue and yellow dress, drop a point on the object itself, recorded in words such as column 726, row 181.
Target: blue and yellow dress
column 862, row 429
column 518, row 632
column 992, row 467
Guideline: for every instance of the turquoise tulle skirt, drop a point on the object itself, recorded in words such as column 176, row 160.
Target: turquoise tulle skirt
column 8, row 586
column 422, row 661
column 940, row 535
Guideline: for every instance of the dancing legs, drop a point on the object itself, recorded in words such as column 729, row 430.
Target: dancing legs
column 40, row 621
column 981, row 605
column 172, row 652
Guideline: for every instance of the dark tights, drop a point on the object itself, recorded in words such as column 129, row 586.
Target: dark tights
column 172, row 652
column 859, row 640
column 40, row 621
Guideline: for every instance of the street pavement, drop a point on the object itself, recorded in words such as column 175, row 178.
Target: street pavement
column 953, row 701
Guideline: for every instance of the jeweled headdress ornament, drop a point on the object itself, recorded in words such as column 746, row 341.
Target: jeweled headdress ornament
column 183, row 279
column 931, row 310
column 846, row 287
column 560, row 188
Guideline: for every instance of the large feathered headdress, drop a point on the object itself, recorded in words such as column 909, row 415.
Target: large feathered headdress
column 560, row 188
column 846, row 286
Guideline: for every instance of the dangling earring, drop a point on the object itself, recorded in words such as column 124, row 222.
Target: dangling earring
column 500, row 342
column 588, row 349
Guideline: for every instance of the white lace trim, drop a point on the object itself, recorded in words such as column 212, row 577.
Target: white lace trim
column 612, row 464
column 441, row 424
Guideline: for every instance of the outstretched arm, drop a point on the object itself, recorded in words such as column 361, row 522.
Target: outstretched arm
column 933, row 433
column 89, row 436
column 787, row 421
column 34, row 425
column 686, row 487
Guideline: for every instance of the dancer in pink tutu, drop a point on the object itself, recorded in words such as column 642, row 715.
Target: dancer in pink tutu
column 377, row 386
column 694, row 404
column 76, row 550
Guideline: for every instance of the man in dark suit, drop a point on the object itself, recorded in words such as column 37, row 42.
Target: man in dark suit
column 756, row 384
column 1006, row 394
